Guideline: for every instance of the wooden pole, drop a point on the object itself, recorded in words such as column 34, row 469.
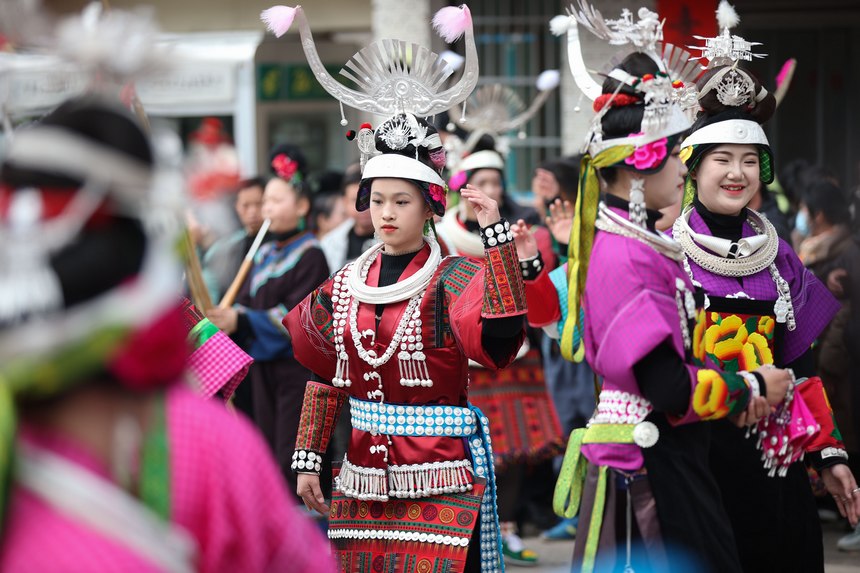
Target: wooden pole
column 230, row 296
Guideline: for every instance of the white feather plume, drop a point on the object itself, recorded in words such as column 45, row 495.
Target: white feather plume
column 560, row 24
column 548, row 80
column 727, row 16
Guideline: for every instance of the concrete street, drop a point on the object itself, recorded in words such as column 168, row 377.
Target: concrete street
column 555, row 556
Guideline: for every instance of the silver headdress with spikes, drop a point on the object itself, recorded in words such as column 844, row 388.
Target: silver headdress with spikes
column 496, row 110
column 733, row 85
column 726, row 49
column 393, row 77
column 668, row 97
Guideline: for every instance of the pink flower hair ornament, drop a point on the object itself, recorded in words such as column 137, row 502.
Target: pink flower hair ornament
column 286, row 168
column 437, row 194
column 649, row 155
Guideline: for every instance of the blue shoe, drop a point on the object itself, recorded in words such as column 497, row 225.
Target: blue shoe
column 563, row 530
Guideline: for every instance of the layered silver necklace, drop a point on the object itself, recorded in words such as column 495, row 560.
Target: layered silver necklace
column 743, row 258
column 350, row 288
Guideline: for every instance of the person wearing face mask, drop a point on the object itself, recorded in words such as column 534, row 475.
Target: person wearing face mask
column 764, row 308
column 285, row 270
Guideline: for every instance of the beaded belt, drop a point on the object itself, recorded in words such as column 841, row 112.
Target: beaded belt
column 401, row 420
column 443, row 421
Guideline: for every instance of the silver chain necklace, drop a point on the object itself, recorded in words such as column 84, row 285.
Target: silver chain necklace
column 610, row 222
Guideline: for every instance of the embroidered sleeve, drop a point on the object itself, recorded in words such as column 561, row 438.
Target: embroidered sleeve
column 828, row 438
column 311, row 327
column 714, row 394
column 504, row 294
column 320, row 410
column 464, row 286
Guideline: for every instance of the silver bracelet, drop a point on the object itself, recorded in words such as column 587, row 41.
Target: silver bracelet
column 752, row 382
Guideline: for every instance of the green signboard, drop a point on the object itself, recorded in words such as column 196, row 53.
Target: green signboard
column 281, row 82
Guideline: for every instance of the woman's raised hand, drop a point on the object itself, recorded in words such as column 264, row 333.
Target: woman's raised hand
column 486, row 209
column 560, row 220
column 524, row 240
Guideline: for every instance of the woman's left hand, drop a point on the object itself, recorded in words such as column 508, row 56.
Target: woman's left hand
column 840, row 483
column 224, row 318
column 486, row 209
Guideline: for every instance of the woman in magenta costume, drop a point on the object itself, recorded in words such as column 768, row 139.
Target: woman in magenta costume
column 764, row 308
column 638, row 474
column 110, row 462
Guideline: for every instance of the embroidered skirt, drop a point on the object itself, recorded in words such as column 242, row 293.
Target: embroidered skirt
column 524, row 425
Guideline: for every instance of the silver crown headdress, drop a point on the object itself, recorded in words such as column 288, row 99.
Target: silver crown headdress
column 496, row 110
column 733, row 85
column 666, row 96
column 392, row 76
column 726, row 48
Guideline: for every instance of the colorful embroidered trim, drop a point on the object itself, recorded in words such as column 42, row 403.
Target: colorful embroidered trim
column 272, row 261
column 504, row 292
column 715, row 395
column 737, row 341
column 424, row 535
column 320, row 411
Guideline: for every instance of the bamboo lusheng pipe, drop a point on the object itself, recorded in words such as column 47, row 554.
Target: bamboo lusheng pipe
column 194, row 274
column 230, row 296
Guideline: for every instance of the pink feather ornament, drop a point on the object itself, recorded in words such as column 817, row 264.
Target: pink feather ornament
column 787, row 68
column 278, row 19
column 452, row 22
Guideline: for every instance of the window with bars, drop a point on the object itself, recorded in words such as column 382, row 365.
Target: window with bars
column 514, row 47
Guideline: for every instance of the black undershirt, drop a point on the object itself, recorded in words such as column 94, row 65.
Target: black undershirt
column 498, row 335
column 355, row 244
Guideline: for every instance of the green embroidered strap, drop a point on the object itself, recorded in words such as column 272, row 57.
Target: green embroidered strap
column 593, row 540
column 582, row 238
column 201, row 333
column 609, row 434
column 155, row 466
column 568, row 488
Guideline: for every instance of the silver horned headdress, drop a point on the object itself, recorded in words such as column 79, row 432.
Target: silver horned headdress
column 726, row 49
column 396, row 79
column 392, row 76
column 666, row 96
column 496, row 110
